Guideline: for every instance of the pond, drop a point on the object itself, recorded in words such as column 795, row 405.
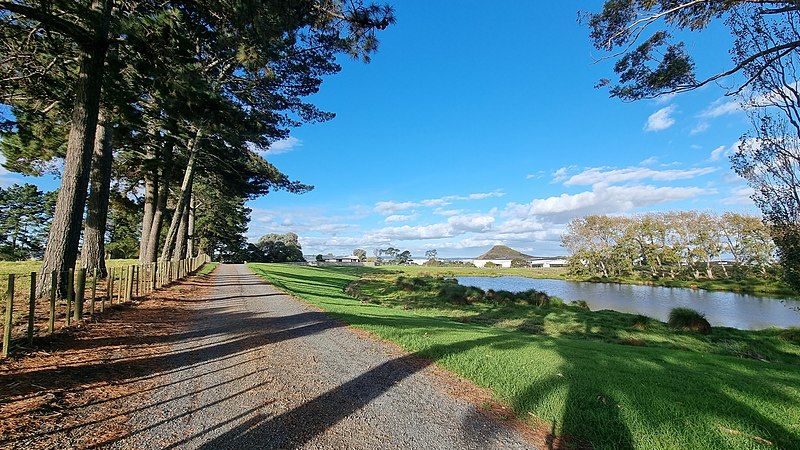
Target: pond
column 727, row 309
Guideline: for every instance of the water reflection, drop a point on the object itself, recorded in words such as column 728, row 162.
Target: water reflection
column 721, row 308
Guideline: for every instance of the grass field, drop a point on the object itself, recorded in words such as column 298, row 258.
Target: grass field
column 675, row 392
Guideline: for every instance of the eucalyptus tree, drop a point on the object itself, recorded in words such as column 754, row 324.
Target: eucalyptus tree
column 762, row 77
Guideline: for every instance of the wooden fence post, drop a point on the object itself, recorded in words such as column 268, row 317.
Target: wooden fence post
column 129, row 284
column 9, row 315
column 80, row 294
column 70, row 294
column 51, row 325
column 121, row 285
column 94, row 290
column 138, row 276
column 110, row 289
column 31, row 307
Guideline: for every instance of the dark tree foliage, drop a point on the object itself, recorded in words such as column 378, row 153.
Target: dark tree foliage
column 651, row 62
column 25, row 213
column 124, row 217
column 278, row 248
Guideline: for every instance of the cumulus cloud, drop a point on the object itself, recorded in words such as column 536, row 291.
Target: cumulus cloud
column 602, row 200
column 661, row 119
column 475, row 223
column 400, row 218
column 721, row 107
column 391, row 207
column 740, row 196
column 277, row 147
column 284, row 145
column 717, row 153
column 595, row 175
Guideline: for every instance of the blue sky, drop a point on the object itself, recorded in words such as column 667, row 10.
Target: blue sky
column 477, row 123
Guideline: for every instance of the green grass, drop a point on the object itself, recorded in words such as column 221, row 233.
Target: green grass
column 207, row 268
column 678, row 391
column 534, row 272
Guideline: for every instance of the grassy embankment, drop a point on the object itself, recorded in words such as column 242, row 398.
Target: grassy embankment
column 754, row 286
column 207, row 268
column 569, row 369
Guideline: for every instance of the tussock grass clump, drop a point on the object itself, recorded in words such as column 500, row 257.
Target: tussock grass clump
column 580, row 304
column 687, row 319
column 534, row 297
column 500, row 296
column 640, row 322
column 460, row 295
column 791, row 334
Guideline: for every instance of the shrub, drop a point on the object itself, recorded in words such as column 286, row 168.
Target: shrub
column 687, row 319
column 404, row 284
column 531, row 326
column 519, row 263
column 460, row 295
column 791, row 334
column 500, row 296
column 634, row 342
column 580, row 304
column 491, row 265
column 640, row 322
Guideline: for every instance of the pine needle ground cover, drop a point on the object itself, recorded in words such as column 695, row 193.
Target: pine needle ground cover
column 672, row 392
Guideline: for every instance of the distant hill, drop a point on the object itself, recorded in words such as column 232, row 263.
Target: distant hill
column 503, row 252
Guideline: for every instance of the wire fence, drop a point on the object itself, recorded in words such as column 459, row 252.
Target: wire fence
column 24, row 316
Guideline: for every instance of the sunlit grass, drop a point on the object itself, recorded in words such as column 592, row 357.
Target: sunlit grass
column 607, row 394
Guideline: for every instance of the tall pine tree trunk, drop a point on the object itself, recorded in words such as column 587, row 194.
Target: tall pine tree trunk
column 150, row 200
column 94, row 231
column 190, row 228
column 65, row 231
column 183, row 228
column 169, row 243
column 161, row 205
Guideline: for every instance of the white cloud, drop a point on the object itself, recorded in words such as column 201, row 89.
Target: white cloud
column 400, row 218
column 649, row 161
column 284, row 145
column 391, row 207
column 700, row 127
column 717, row 153
column 661, row 119
column 562, row 173
column 740, row 196
column 721, row 107
column 602, row 200
column 595, row 175
column 447, row 212
column 475, row 223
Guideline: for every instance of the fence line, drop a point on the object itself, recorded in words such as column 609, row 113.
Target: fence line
column 121, row 284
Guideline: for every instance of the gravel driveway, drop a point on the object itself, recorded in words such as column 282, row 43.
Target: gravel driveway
column 267, row 371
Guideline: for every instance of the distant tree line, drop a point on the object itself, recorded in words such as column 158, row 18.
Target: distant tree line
column 645, row 38
column 677, row 245
column 25, row 215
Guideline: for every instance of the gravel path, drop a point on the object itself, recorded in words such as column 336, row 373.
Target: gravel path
column 267, row 371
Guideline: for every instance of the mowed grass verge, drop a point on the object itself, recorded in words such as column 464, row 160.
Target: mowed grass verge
column 604, row 394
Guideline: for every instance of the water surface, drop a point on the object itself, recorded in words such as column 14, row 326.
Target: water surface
column 721, row 308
